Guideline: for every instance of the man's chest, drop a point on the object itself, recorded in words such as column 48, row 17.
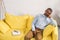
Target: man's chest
column 44, row 20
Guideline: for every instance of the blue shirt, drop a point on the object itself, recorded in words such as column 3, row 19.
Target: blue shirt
column 41, row 21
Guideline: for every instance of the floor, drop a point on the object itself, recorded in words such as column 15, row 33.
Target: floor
column 59, row 33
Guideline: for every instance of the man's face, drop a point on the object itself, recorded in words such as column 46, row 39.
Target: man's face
column 48, row 12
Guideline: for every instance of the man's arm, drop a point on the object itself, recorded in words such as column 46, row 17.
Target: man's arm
column 34, row 22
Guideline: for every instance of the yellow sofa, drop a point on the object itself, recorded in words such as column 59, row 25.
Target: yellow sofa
column 23, row 25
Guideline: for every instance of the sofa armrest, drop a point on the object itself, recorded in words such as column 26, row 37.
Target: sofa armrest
column 29, row 24
column 55, row 34
column 27, row 30
column 48, row 30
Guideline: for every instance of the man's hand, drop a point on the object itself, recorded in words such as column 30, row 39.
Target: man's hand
column 34, row 32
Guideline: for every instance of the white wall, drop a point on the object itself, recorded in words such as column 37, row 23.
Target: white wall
column 2, row 10
column 32, row 7
column 57, row 12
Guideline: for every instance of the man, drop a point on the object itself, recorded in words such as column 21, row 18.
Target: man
column 39, row 23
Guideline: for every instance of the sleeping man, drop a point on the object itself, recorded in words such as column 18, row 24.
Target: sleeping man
column 39, row 23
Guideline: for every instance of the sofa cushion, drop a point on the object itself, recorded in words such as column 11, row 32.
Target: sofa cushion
column 8, row 36
column 16, row 22
column 3, row 27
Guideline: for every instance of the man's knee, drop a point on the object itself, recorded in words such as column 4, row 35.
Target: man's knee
column 39, row 36
column 29, row 35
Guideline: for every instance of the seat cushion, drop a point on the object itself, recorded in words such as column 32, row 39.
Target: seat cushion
column 3, row 27
column 16, row 22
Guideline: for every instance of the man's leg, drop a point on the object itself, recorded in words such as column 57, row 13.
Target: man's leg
column 39, row 34
column 29, row 36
